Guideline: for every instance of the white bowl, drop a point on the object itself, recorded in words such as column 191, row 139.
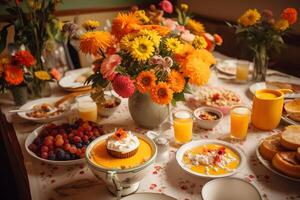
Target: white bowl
column 181, row 151
column 48, row 100
column 31, row 137
column 121, row 182
column 207, row 124
column 106, row 112
column 230, row 189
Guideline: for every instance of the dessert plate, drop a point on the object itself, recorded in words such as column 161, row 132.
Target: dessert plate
column 71, row 82
column 181, row 151
column 148, row 196
column 229, row 66
column 269, row 166
column 50, row 100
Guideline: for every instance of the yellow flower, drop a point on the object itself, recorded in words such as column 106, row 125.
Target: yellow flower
column 140, row 14
column 206, row 56
column 3, row 63
column 176, row 81
column 184, row 7
column 91, row 42
column 42, row 75
column 152, row 35
column 281, row 25
column 145, row 81
column 199, row 42
column 125, row 43
column 60, row 25
column 195, row 27
column 161, row 93
column 172, row 44
column 125, row 23
column 249, row 18
column 141, row 48
column 90, row 25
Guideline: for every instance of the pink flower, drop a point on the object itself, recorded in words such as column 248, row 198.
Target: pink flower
column 171, row 24
column 166, row 6
column 109, row 65
column 180, row 28
column 123, row 86
column 187, row 36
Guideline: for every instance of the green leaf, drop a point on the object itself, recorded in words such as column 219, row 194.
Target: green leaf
column 173, row 102
column 179, row 96
column 187, row 89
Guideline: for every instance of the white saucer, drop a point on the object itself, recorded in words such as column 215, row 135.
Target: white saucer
column 148, row 196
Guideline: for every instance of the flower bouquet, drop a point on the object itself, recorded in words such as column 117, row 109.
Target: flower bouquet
column 263, row 34
column 148, row 55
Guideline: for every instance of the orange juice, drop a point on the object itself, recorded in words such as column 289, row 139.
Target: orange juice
column 239, row 120
column 183, row 126
column 242, row 71
column 87, row 110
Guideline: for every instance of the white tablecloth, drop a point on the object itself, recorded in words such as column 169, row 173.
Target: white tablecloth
column 77, row 182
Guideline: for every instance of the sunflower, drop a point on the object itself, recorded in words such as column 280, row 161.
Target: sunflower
column 199, row 42
column 162, row 30
column 206, row 56
column 182, row 53
column 176, row 81
column 172, row 44
column 161, row 93
column 141, row 15
column 141, row 48
column 195, row 27
column 145, row 80
column 13, row 75
column 125, row 43
column 249, row 18
column 125, row 23
column 290, row 14
column 91, row 42
column 90, row 25
column 42, row 75
column 281, row 25
column 152, row 35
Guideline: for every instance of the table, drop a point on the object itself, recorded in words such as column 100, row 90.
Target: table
column 77, row 182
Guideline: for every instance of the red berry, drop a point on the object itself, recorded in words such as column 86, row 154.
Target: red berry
column 67, row 147
column 44, row 155
column 90, row 133
column 71, row 135
column 33, row 147
column 49, row 137
column 79, row 133
column 58, row 136
column 48, row 142
column 66, row 141
column 85, row 138
column 44, row 148
column 78, row 152
column 73, row 149
column 77, row 139
column 65, row 136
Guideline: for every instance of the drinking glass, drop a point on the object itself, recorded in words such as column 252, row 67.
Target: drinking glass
column 239, row 121
column 87, row 108
column 242, row 71
column 183, row 126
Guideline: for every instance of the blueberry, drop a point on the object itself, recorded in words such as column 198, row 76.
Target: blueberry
column 60, row 154
column 51, row 155
column 38, row 141
column 72, row 156
column 67, row 156
column 79, row 145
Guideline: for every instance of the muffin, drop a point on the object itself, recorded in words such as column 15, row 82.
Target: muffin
column 122, row 144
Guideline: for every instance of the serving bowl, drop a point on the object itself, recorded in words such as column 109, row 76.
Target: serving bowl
column 121, row 182
column 207, row 124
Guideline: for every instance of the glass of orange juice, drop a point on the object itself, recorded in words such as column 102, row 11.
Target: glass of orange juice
column 242, row 71
column 183, row 126
column 87, row 108
column 239, row 121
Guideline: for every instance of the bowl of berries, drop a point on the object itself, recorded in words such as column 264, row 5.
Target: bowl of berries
column 62, row 143
column 208, row 117
column 108, row 106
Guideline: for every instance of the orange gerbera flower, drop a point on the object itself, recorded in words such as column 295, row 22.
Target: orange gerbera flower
column 161, row 93
column 91, row 42
column 176, row 81
column 290, row 14
column 218, row 39
column 119, row 134
column 162, row 30
column 24, row 57
column 182, row 53
column 125, row 23
column 55, row 73
column 145, row 81
column 13, row 75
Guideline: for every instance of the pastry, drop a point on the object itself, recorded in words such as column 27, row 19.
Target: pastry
column 122, row 144
column 290, row 138
column 270, row 146
column 287, row 163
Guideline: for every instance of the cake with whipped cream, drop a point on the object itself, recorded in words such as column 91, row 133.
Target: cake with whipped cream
column 122, row 144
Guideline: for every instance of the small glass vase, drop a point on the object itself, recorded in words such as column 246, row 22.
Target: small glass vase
column 20, row 94
column 260, row 61
column 39, row 89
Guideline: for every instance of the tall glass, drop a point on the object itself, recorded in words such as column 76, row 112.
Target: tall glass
column 87, row 109
column 239, row 121
column 183, row 126
column 242, row 71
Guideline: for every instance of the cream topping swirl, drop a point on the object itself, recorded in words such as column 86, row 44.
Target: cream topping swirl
column 125, row 145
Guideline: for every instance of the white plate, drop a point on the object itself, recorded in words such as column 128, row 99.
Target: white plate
column 148, row 196
column 261, row 85
column 269, row 165
column 68, row 82
column 30, row 138
column 196, row 143
column 48, row 100
column 229, row 66
column 226, row 188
